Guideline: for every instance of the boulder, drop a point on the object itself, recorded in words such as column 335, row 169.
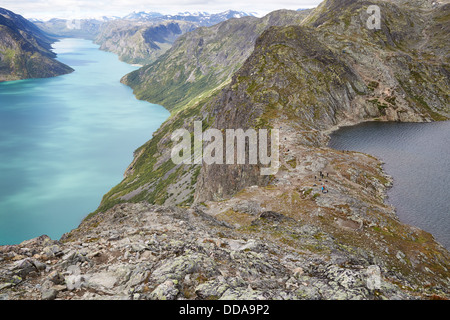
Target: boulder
column 165, row 291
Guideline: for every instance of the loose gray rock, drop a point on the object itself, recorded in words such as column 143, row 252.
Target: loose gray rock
column 165, row 291
column 49, row 294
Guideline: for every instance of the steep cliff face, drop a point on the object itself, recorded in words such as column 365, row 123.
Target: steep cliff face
column 290, row 77
column 76, row 28
column 332, row 70
column 203, row 60
column 25, row 51
column 140, row 42
column 328, row 70
column 276, row 237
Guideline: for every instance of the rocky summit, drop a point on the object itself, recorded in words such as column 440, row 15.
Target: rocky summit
column 142, row 251
column 197, row 231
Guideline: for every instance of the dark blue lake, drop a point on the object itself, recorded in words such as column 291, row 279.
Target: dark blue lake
column 417, row 156
column 66, row 141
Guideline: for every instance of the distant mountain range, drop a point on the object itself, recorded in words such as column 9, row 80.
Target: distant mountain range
column 202, row 18
column 139, row 37
column 83, row 28
column 140, row 42
column 91, row 26
column 25, row 50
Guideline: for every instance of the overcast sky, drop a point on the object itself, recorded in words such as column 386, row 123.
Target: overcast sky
column 45, row 9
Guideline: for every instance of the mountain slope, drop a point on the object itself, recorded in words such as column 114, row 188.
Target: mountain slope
column 203, row 60
column 204, row 19
column 306, row 80
column 25, row 51
column 152, row 175
column 278, row 237
column 328, row 72
column 139, row 37
column 142, row 37
column 140, row 42
column 79, row 28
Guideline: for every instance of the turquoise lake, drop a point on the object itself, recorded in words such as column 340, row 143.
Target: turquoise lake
column 66, row 141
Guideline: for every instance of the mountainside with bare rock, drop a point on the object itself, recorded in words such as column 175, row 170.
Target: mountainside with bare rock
column 198, row 231
column 26, row 51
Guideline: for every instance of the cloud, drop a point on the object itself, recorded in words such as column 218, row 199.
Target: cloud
column 46, row 9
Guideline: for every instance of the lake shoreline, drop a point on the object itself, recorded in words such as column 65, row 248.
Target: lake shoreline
column 395, row 178
column 88, row 109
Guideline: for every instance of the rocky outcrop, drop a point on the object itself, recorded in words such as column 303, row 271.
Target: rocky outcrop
column 141, row 251
column 329, row 71
column 75, row 28
column 25, row 51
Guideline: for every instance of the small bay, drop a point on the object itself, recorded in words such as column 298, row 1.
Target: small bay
column 417, row 156
column 66, row 141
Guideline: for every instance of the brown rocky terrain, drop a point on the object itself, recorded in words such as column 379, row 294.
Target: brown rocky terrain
column 140, row 42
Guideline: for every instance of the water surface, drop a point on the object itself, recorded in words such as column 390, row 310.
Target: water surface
column 417, row 156
column 66, row 141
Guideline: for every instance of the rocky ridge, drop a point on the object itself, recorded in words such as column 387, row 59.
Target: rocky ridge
column 286, row 240
column 142, row 251
column 237, row 236
column 202, row 61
